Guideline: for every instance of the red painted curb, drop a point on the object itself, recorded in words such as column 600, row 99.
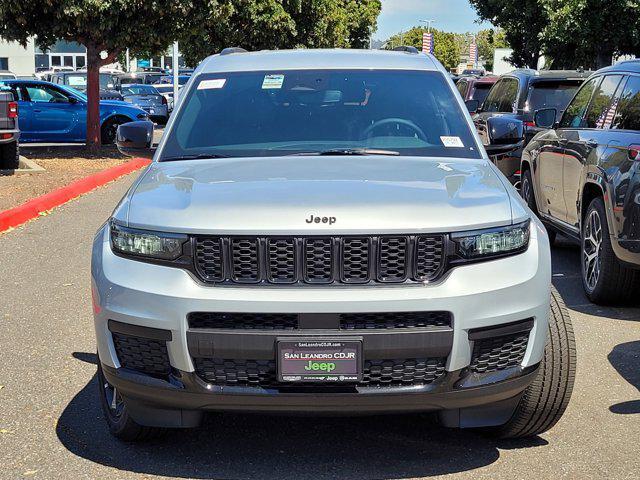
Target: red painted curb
column 33, row 208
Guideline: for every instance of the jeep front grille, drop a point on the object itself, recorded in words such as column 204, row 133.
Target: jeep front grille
column 320, row 260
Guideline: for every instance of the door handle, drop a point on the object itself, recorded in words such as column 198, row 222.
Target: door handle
column 37, row 110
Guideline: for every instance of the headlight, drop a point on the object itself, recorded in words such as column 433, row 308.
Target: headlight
column 492, row 242
column 144, row 243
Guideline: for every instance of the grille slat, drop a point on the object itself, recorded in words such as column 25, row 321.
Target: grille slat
column 376, row 373
column 498, row 353
column 369, row 321
column 243, row 321
column 144, row 355
column 320, row 260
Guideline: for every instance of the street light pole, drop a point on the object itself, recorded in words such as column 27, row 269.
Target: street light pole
column 428, row 22
column 174, row 62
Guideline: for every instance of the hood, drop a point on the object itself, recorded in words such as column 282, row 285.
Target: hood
column 272, row 195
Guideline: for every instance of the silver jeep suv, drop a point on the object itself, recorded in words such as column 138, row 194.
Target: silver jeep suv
column 321, row 231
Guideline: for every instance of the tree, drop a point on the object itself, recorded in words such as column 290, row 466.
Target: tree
column 104, row 27
column 522, row 22
column 446, row 48
column 488, row 40
column 271, row 24
column 590, row 32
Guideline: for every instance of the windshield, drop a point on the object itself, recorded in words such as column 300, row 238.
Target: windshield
column 138, row 90
column 311, row 111
column 79, row 81
column 555, row 94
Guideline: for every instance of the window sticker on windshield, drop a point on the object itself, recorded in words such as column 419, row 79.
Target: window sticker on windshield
column 272, row 82
column 211, row 84
column 452, row 142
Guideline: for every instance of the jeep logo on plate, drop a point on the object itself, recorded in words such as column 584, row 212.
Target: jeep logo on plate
column 314, row 219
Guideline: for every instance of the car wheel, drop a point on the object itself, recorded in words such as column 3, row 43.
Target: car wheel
column 109, row 129
column 526, row 191
column 120, row 424
column 545, row 400
column 9, row 156
column 604, row 278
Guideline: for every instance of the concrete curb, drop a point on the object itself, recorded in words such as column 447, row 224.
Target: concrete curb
column 37, row 206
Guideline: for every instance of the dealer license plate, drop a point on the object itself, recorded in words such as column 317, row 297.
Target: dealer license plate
column 319, row 360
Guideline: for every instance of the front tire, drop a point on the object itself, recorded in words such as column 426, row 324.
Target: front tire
column 120, row 424
column 604, row 278
column 545, row 400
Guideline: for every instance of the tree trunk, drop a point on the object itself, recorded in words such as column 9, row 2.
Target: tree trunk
column 93, row 97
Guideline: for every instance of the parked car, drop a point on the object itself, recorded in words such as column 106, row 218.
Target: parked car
column 182, row 79
column 57, row 113
column 166, row 90
column 322, row 231
column 473, row 71
column 148, row 99
column 7, row 75
column 44, row 73
column 109, row 83
column 518, row 95
column 148, row 78
column 582, row 177
column 475, row 88
column 9, row 131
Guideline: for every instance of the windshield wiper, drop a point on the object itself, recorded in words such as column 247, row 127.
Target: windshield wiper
column 351, row 151
column 199, row 156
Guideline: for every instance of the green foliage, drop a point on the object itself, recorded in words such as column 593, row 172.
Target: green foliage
column 271, row 24
column 446, row 46
column 522, row 22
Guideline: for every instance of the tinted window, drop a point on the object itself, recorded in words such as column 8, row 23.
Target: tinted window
column 139, row 90
column 575, row 111
column 309, row 111
column 462, row 87
column 600, row 113
column 502, row 96
column 628, row 114
column 46, row 94
column 481, row 91
column 551, row 95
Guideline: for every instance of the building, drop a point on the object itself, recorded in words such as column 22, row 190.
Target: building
column 16, row 58
column 61, row 54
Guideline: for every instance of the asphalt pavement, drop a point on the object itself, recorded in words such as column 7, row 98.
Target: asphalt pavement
column 51, row 425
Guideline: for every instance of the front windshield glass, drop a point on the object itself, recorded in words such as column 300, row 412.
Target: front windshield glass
column 139, row 90
column 311, row 111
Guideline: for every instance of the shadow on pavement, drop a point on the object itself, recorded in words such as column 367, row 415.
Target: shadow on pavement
column 565, row 258
column 625, row 358
column 273, row 447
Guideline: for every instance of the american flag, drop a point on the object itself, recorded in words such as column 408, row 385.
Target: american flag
column 473, row 53
column 427, row 42
column 605, row 120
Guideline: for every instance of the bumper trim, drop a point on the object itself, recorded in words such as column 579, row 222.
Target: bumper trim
column 139, row 331
column 378, row 344
column 501, row 330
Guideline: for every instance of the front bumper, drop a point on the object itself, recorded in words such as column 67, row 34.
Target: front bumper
column 479, row 296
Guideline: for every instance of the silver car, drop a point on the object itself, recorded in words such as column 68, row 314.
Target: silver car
column 321, row 231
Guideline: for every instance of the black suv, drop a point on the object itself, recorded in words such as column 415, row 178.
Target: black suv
column 519, row 94
column 582, row 177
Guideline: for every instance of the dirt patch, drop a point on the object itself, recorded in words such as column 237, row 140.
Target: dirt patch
column 64, row 165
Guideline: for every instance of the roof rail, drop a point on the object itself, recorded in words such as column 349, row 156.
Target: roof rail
column 230, row 50
column 405, row 48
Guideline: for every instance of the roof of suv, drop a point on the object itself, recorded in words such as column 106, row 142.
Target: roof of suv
column 317, row 59
column 549, row 74
column 632, row 66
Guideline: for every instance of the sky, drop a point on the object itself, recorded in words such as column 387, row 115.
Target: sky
column 449, row 15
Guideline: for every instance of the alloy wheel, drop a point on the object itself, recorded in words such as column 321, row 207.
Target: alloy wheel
column 591, row 244
column 526, row 191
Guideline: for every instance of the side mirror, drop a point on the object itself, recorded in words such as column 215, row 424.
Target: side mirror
column 134, row 139
column 73, row 100
column 472, row 105
column 545, row 117
column 505, row 134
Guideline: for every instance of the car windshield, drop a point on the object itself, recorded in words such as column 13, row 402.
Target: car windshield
column 556, row 94
column 320, row 111
column 138, row 90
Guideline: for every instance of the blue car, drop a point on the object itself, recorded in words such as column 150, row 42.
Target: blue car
column 58, row 114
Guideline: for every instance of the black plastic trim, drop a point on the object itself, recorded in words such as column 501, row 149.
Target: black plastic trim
column 139, row 331
column 501, row 330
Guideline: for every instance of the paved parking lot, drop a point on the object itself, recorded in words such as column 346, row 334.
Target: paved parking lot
column 51, row 426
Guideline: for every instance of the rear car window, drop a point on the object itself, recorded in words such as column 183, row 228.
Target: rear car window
column 139, row 90
column 552, row 94
column 628, row 114
column 294, row 112
column 481, row 91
